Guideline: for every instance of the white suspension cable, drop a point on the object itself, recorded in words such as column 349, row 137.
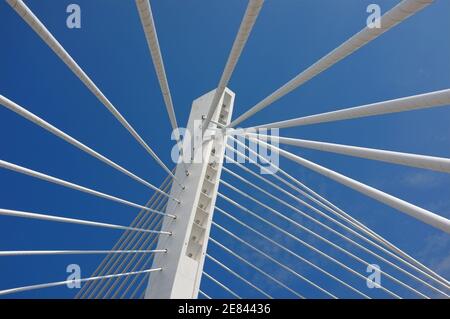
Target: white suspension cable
column 409, row 103
column 120, row 264
column 291, row 252
column 219, row 125
column 69, row 139
column 402, row 11
column 136, row 290
column 250, row 16
column 324, row 239
column 22, row 214
column 124, row 241
column 419, row 213
column 140, row 242
column 344, row 227
column 255, row 267
column 126, row 265
column 238, row 276
column 221, row 285
column 414, row 160
column 67, row 184
column 28, row 16
column 341, row 235
column 316, row 198
column 148, row 24
column 111, row 283
column 65, row 282
column 76, row 252
column 204, row 294
column 333, row 209
column 146, row 264
column 288, row 269
column 290, row 235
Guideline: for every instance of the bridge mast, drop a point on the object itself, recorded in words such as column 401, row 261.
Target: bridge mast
column 186, row 248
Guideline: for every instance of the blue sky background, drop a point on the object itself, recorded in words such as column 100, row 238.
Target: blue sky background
column 195, row 38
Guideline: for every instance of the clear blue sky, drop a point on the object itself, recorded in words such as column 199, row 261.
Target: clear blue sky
column 195, row 38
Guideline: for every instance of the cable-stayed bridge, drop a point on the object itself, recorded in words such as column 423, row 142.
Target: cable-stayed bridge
column 263, row 231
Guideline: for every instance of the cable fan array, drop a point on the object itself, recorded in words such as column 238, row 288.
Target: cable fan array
column 273, row 236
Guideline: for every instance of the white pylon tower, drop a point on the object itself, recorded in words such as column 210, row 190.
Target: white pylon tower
column 186, row 248
column 175, row 269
